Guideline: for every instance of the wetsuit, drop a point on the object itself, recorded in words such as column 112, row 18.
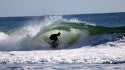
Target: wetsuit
column 54, row 37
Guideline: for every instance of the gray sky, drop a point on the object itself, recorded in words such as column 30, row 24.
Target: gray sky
column 58, row 7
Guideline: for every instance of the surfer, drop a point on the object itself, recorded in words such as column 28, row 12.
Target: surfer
column 54, row 37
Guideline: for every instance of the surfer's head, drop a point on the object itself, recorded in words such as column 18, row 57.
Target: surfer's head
column 59, row 34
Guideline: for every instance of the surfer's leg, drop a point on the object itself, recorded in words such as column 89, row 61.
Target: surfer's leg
column 54, row 44
column 54, row 41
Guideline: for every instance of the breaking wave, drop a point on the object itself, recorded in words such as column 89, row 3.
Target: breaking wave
column 32, row 36
column 80, row 42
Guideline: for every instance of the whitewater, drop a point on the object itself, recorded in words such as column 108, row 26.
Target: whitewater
column 82, row 40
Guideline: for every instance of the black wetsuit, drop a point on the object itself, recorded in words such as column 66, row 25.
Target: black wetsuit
column 54, row 37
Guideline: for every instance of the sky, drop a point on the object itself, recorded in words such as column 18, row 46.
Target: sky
column 9, row 8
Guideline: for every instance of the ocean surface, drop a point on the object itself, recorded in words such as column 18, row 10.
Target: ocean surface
column 87, row 41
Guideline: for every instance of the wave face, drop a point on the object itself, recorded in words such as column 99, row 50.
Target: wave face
column 33, row 35
column 92, row 34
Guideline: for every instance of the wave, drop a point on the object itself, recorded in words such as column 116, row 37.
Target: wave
column 80, row 42
column 32, row 36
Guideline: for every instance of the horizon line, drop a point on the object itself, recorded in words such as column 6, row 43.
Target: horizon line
column 66, row 14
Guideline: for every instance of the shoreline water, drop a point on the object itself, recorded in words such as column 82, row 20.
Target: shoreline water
column 62, row 67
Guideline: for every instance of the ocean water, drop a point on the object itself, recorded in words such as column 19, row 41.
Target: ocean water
column 62, row 67
column 87, row 41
